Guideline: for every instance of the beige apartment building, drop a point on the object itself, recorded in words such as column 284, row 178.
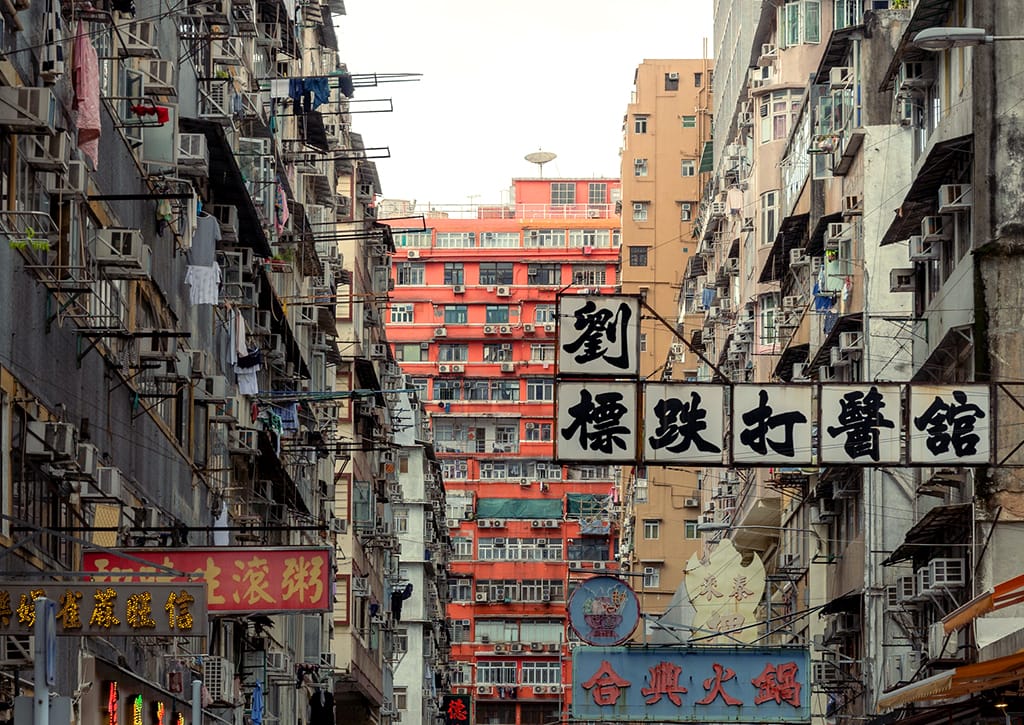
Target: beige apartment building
column 665, row 129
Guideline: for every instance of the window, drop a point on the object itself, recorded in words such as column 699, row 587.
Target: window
column 454, row 468
column 506, row 390
column 538, row 431
column 597, row 193
column 409, row 351
column 639, row 167
column 460, row 590
column 538, row 389
column 688, row 167
column 419, row 238
column 799, row 22
column 401, row 703
column 652, row 529
column 691, row 531
column 543, row 313
column 447, row 389
column 640, row 124
column 419, row 384
column 689, row 122
column 453, row 352
column 460, row 629
column 563, row 192
column 544, row 274
column 542, row 673
column 497, row 314
column 779, row 109
column 638, row 255
column 652, row 577
column 541, row 352
column 640, row 211
column 768, row 304
column 698, row 80
column 455, row 240
column 455, row 314
column 401, row 519
column 402, row 312
column 410, row 273
column 454, row 273
column 495, row 273
column 497, row 351
column 589, row 238
column 671, row 81
column 496, row 672
column 401, row 641
column 643, row 342
column 588, row 274
column 499, row 240
column 685, row 211
column 476, row 389
column 769, row 217
column 545, row 238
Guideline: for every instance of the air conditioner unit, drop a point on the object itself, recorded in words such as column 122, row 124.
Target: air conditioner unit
column 515, row 647
column 528, row 327
column 49, row 153
column 413, row 254
column 768, row 50
column 942, row 646
column 338, row 526
column 549, row 327
column 906, row 111
column 138, row 39
column 490, row 329
column 840, row 77
column 88, row 457
column 504, row 291
column 946, row 573
column 906, row 589
column 838, row 358
column 824, row 673
column 955, row 198
column 459, row 289
column 484, row 690
column 378, row 351
column 837, row 233
column 244, row 440
column 159, row 77
column 923, row 582
column 28, row 110
column 219, row 679
column 483, row 524
column 499, row 593
column 120, row 248
column 901, row 279
column 673, row 76
column 797, row 258
column 826, row 373
column 108, row 483
column 934, row 229
column 599, row 565
column 760, row 76
column 458, row 368
column 800, row 371
column 505, row 329
column 69, row 182
column 691, row 502
column 540, row 689
column 849, row 341
column 650, row 571
column 792, row 302
column 440, row 332
column 53, row 441
column 497, row 523
column 452, row 523
column 852, row 206
column 718, row 209
column 914, row 74
column 918, row 250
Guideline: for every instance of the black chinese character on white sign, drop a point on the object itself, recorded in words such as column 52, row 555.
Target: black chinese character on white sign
column 761, row 420
column 602, row 335
column 680, row 425
column 860, row 420
column 597, row 421
column 950, row 425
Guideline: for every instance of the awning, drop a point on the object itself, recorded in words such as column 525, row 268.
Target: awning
column 958, row 682
column 849, row 602
column 1004, row 594
column 927, row 14
column 942, row 526
column 707, row 158
column 790, row 236
column 922, row 197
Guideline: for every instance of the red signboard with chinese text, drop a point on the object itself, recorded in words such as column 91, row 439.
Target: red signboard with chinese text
column 456, row 709
column 237, row 579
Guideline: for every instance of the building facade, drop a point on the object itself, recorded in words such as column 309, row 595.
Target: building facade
column 191, row 358
column 874, row 248
column 666, row 127
column 473, row 322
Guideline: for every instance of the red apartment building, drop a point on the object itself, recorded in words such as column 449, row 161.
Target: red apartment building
column 473, row 322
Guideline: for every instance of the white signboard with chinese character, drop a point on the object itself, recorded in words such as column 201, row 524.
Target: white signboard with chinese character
column 597, row 421
column 771, row 424
column 860, row 424
column 684, row 423
column 950, row 424
column 599, row 336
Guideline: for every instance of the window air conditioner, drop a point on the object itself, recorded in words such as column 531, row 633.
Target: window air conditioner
column 459, row 289
column 918, row 250
column 413, row 254
column 28, row 110
column 440, row 332
column 691, row 502
column 934, row 229
column 490, row 329
column 840, row 77
column 954, row 198
column 49, row 153
column 508, row 367
column 504, row 291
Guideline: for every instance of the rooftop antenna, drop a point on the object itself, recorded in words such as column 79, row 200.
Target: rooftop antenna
column 540, row 158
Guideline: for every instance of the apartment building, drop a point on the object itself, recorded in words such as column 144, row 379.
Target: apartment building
column 665, row 129
column 191, row 369
column 473, row 322
column 868, row 253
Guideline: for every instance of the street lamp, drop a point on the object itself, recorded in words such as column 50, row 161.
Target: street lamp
column 942, row 38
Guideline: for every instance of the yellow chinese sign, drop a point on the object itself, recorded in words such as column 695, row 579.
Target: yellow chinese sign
column 122, row 609
column 725, row 595
column 238, row 580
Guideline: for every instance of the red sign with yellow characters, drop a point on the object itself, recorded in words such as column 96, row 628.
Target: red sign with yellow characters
column 238, row 580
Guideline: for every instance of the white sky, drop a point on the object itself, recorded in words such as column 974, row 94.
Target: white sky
column 502, row 79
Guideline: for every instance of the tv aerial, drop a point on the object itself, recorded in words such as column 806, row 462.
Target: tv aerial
column 540, row 158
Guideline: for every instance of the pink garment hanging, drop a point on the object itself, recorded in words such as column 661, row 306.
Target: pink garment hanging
column 87, row 95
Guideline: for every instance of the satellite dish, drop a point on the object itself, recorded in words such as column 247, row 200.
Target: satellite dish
column 540, row 158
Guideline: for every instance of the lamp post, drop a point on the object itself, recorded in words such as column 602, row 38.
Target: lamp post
column 942, row 38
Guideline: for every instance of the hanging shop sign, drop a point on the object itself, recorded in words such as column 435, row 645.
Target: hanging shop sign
column 124, row 609
column 675, row 684
column 239, row 580
column 456, row 709
column 599, row 336
column 603, row 610
column 704, row 424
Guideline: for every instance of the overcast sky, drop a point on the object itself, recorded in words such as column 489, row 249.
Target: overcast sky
column 504, row 78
